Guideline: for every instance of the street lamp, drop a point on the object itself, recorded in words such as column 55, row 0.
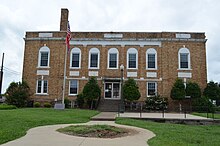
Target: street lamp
column 122, row 102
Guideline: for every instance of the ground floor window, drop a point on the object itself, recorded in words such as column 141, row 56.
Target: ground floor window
column 73, row 87
column 42, row 86
column 151, row 88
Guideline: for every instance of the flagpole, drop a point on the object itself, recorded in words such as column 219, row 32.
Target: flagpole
column 64, row 77
column 64, row 72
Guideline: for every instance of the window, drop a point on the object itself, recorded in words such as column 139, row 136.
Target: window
column 94, row 58
column 184, row 58
column 151, row 58
column 75, row 58
column 113, row 58
column 42, row 86
column 132, row 58
column 151, row 88
column 44, row 57
column 73, row 87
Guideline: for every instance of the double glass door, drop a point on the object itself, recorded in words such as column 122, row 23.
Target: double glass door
column 112, row 90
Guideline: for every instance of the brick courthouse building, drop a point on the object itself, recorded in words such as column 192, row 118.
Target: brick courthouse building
column 153, row 59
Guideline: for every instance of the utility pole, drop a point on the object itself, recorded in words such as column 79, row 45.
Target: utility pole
column 1, row 76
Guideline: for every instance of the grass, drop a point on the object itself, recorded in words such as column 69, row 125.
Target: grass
column 176, row 134
column 95, row 130
column 7, row 107
column 15, row 123
column 210, row 115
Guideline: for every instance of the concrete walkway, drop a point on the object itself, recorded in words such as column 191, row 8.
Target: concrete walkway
column 105, row 116
column 48, row 136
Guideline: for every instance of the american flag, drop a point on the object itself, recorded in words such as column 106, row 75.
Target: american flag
column 68, row 37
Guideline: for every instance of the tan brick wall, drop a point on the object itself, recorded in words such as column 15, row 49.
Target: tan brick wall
column 167, row 62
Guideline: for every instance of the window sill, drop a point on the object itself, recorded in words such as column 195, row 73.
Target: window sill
column 113, row 68
column 73, row 94
column 184, row 69
column 75, row 67
column 45, row 67
column 93, row 68
column 151, row 68
column 42, row 94
column 132, row 68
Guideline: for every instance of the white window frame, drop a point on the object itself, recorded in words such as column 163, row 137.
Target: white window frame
column 42, row 87
column 132, row 51
column 113, row 51
column 151, row 51
column 155, row 89
column 75, row 51
column 94, row 51
column 77, row 87
column 184, row 51
column 44, row 49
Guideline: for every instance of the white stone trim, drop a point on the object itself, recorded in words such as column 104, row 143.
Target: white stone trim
column 151, row 74
column 93, row 73
column 183, row 35
column 113, row 35
column 44, row 34
column 43, row 72
column 184, row 75
column 131, row 74
column 74, row 73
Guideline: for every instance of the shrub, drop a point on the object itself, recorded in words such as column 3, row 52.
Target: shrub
column 80, row 100
column 91, row 91
column 36, row 104
column 178, row 90
column 193, row 90
column 47, row 105
column 203, row 104
column 130, row 90
column 156, row 103
column 67, row 103
column 7, row 107
column 212, row 91
column 17, row 94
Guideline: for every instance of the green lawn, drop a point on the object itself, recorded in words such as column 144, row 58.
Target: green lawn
column 176, row 134
column 216, row 116
column 15, row 123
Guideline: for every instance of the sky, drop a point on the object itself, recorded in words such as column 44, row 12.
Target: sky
column 20, row 16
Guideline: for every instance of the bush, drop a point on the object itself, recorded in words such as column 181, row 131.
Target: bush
column 202, row 104
column 193, row 90
column 36, row 104
column 47, row 105
column 91, row 91
column 67, row 103
column 212, row 91
column 80, row 100
column 178, row 90
column 156, row 103
column 130, row 90
column 17, row 94
column 7, row 107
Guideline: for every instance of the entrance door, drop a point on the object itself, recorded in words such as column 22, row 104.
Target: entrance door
column 112, row 90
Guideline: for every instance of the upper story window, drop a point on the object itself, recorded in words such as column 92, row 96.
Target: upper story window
column 132, row 58
column 151, row 58
column 94, row 55
column 184, row 58
column 44, row 57
column 113, row 58
column 75, row 58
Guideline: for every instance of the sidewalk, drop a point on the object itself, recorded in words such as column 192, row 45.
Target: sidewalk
column 48, row 136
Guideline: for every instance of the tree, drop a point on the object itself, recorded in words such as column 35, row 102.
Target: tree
column 130, row 90
column 178, row 90
column 212, row 91
column 91, row 91
column 193, row 90
column 18, row 94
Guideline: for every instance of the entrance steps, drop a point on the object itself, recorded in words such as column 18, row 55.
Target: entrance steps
column 108, row 105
